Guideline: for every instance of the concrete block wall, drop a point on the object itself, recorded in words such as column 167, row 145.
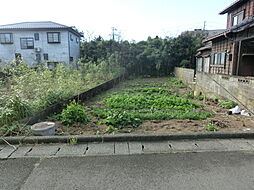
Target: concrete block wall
column 237, row 89
column 186, row 75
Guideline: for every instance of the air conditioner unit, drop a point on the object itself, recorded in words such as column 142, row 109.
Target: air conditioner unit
column 37, row 49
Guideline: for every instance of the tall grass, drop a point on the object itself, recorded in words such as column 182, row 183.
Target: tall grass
column 28, row 90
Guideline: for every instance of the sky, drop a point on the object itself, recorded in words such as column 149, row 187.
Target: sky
column 133, row 19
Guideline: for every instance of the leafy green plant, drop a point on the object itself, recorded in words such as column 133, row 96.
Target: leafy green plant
column 211, row 127
column 157, row 114
column 141, row 101
column 119, row 119
column 227, row 104
column 177, row 83
column 73, row 140
column 150, row 91
column 148, row 85
column 74, row 113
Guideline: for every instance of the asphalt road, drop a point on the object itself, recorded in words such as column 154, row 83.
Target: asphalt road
column 207, row 170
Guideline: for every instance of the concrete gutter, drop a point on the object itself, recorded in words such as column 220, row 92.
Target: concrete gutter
column 125, row 138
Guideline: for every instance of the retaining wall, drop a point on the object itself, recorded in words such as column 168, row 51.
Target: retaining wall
column 57, row 108
column 237, row 89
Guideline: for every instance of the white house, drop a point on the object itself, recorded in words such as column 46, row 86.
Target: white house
column 39, row 42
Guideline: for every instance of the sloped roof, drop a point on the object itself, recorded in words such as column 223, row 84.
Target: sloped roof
column 38, row 25
column 232, row 6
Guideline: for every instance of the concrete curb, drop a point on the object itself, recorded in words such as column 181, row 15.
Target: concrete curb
column 124, row 138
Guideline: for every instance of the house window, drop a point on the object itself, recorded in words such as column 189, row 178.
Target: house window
column 6, row 38
column 71, row 37
column 200, row 64
column 38, row 57
column 218, row 58
column 27, row 43
column 238, row 18
column 53, row 37
column 36, row 36
column 46, row 56
column 77, row 40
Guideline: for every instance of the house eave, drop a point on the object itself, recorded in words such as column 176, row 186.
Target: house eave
column 234, row 29
column 232, row 7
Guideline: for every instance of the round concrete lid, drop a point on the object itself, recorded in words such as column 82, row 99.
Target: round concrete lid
column 43, row 126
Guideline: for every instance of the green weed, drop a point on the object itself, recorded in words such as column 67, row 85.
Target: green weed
column 227, row 104
column 15, row 129
column 74, row 113
column 211, row 127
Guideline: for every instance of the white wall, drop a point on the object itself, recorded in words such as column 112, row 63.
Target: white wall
column 74, row 47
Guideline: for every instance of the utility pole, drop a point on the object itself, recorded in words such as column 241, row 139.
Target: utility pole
column 113, row 33
column 204, row 25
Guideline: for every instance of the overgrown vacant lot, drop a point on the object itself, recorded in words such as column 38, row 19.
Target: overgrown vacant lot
column 150, row 105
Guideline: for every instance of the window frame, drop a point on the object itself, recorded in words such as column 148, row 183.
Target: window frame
column 38, row 57
column 36, row 36
column 235, row 20
column 27, row 47
column 46, row 56
column 11, row 38
column 218, row 59
column 54, row 42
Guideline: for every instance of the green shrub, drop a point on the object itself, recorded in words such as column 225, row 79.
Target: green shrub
column 227, row 104
column 211, row 127
column 74, row 113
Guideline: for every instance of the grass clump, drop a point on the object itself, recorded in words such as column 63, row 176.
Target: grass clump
column 211, row 127
column 227, row 104
column 74, row 113
column 15, row 129
column 13, row 108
